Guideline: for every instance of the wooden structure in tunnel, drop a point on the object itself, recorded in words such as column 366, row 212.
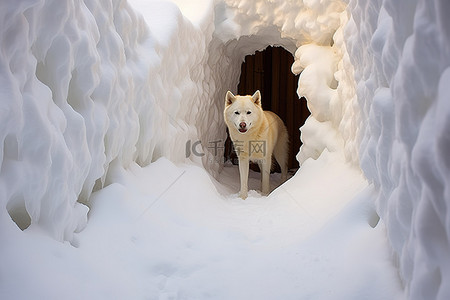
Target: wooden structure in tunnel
column 270, row 72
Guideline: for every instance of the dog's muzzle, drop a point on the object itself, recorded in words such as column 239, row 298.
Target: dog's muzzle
column 242, row 127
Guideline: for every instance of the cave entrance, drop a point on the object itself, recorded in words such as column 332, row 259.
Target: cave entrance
column 270, row 72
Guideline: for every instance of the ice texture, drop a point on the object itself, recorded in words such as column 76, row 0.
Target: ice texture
column 91, row 86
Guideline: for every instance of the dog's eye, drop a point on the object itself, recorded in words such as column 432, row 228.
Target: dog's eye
column 249, row 112
column 236, row 112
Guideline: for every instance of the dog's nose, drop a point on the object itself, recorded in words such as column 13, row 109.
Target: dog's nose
column 242, row 124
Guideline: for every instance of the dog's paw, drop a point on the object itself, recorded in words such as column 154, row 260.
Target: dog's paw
column 243, row 195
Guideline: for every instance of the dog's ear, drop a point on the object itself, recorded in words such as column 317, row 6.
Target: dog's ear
column 229, row 98
column 257, row 98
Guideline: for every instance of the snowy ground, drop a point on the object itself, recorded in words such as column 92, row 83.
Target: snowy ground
column 173, row 232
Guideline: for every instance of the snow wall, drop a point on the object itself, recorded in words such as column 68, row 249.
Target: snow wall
column 90, row 85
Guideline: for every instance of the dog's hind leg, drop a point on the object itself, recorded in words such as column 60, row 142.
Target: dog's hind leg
column 281, row 153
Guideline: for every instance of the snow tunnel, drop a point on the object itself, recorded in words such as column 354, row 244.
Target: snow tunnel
column 123, row 96
column 90, row 88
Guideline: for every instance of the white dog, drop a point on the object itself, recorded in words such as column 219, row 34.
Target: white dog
column 256, row 135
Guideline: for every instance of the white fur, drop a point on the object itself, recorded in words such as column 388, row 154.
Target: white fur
column 262, row 129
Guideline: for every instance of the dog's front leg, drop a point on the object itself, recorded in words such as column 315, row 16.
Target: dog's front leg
column 243, row 172
column 265, row 176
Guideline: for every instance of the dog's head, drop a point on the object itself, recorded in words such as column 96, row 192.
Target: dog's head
column 242, row 112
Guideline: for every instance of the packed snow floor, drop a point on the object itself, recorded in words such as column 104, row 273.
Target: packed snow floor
column 173, row 232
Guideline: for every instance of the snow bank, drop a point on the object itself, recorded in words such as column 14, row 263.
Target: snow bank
column 401, row 57
column 86, row 85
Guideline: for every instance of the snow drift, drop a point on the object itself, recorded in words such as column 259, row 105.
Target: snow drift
column 90, row 85
column 401, row 56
